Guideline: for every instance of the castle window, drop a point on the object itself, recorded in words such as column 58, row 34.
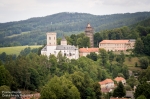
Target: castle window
column 49, row 38
column 69, row 54
column 54, row 38
column 49, row 43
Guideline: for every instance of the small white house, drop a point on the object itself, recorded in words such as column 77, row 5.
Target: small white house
column 120, row 79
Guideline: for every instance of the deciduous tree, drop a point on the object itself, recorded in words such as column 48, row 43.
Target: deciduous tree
column 144, row 62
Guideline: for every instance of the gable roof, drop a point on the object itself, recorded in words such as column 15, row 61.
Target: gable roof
column 88, row 50
column 114, row 41
column 106, row 81
column 119, row 79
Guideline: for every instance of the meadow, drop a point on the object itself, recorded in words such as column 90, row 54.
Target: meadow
column 16, row 49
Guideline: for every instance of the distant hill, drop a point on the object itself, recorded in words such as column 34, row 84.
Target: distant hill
column 33, row 31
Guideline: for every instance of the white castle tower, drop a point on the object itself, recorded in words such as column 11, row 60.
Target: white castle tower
column 51, row 39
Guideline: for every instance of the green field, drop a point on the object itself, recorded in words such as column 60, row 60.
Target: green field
column 16, row 50
column 131, row 63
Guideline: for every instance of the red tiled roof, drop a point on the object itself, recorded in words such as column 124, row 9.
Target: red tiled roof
column 119, row 79
column 106, row 81
column 114, row 41
column 88, row 50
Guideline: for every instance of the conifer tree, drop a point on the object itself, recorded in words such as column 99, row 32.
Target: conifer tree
column 119, row 91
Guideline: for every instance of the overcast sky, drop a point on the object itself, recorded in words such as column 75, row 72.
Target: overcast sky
column 15, row 10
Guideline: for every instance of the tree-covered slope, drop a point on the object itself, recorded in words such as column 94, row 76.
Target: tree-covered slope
column 144, row 23
column 33, row 31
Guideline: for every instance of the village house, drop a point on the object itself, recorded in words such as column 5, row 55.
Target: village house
column 107, row 83
column 70, row 51
column 120, row 79
column 86, row 51
column 117, row 45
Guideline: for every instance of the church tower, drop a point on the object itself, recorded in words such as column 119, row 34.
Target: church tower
column 51, row 39
column 89, row 32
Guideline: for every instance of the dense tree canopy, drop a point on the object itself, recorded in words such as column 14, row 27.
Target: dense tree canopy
column 144, row 62
column 30, row 71
column 60, row 88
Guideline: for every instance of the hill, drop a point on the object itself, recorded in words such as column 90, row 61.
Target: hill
column 144, row 23
column 32, row 31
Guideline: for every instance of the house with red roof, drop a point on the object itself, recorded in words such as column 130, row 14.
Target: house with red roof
column 86, row 51
column 107, row 84
column 120, row 79
column 117, row 45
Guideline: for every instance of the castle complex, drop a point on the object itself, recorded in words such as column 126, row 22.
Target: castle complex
column 70, row 51
column 89, row 32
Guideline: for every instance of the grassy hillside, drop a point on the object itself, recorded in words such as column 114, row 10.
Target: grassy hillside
column 15, row 50
column 31, row 31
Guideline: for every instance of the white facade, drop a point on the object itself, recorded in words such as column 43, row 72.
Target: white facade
column 108, row 83
column 69, row 51
column 120, row 79
column 123, row 81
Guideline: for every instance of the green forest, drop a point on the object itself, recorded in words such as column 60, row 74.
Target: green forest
column 61, row 78
column 33, row 31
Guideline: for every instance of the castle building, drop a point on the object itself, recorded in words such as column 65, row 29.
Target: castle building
column 89, row 32
column 70, row 51
column 117, row 45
